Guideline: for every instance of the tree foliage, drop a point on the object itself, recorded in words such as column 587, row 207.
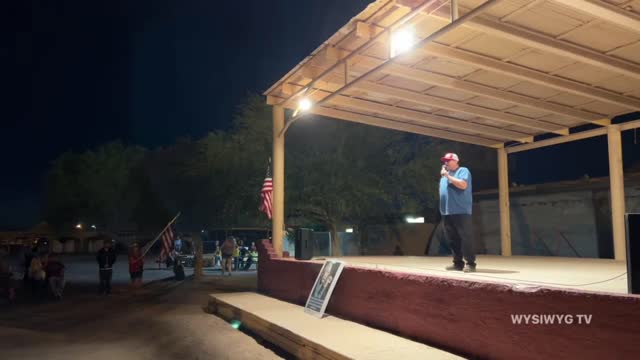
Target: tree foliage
column 337, row 173
column 94, row 186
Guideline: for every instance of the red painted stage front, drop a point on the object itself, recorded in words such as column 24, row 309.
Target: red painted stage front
column 466, row 317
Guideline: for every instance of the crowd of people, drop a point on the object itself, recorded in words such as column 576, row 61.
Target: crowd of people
column 107, row 256
column 43, row 273
column 43, row 276
column 233, row 255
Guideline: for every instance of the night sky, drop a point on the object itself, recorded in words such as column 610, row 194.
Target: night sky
column 81, row 73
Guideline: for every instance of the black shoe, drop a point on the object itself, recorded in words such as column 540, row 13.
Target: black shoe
column 454, row 268
column 470, row 268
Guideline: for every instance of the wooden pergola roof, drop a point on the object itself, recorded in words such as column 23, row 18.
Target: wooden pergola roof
column 503, row 71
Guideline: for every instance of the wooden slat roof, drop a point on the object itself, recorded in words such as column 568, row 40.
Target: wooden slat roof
column 513, row 71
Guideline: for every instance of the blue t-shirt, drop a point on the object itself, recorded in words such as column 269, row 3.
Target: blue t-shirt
column 454, row 200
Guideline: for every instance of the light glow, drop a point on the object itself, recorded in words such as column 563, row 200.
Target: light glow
column 305, row 104
column 415, row 220
column 349, row 230
column 402, row 41
column 236, row 324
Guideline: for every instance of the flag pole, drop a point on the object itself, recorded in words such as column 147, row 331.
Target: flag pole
column 148, row 246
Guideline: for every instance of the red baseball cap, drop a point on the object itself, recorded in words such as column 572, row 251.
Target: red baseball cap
column 449, row 156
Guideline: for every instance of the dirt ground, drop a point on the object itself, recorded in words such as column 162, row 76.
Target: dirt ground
column 163, row 320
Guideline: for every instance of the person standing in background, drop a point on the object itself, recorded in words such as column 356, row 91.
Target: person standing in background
column 106, row 257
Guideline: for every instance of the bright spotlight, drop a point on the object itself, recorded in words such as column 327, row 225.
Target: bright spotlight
column 93, row 227
column 349, row 230
column 305, row 104
column 402, row 41
column 415, row 220
column 79, row 226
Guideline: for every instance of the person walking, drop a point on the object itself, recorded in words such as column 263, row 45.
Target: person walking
column 227, row 249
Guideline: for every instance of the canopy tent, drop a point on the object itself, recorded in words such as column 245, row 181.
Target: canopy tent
column 496, row 73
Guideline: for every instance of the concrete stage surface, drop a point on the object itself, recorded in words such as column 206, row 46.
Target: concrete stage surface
column 476, row 315
column 602, row 275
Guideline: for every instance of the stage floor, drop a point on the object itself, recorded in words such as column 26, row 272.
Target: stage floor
column 601, row 275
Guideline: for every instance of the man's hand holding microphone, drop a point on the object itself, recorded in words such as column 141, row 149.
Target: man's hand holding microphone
column 444, row 171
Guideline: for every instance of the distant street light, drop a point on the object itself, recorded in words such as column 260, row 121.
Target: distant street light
column 93, row 227
column 79, row 226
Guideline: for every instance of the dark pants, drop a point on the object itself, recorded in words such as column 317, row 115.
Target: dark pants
column 105, row 281
column 38, row 289
column 247, row 264
column 458, row 230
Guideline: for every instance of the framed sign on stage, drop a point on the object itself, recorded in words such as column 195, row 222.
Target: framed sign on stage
column 323, row 287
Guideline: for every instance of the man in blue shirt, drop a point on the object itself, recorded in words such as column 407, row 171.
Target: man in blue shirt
column 455, row 207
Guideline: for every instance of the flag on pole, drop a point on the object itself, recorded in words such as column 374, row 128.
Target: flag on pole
column 266, row 193
column 167, row 236
column 166, row 233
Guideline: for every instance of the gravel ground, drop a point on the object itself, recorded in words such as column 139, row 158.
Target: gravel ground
column 162, row 320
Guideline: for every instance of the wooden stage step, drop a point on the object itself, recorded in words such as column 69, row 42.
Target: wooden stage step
column 307, row 337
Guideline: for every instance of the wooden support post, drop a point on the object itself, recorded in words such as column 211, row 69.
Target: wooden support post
column 616, row 178
column 505, row 217
column 277, row 220
column 454, row 10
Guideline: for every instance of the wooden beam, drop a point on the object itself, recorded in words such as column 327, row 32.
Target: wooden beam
column 455, row 14
column 558, row 140
column 328, row 56
column 486, row 91
column 402, row 126
column 420, row 99
column 629, row 125
column 367, row 31
column 273, row 100
column 394, row 124
column 408, row 3
column 616, row 178
column 277, row 220
column 549, row 44
column 287, row 88
column 430, row 38
column 437, row 121
column 522, row 9
column 380, row 33
column 573, row 137
column 604, row 11
column 503, row 199
column 460, row 85
column 537, row 77
column 481, row 90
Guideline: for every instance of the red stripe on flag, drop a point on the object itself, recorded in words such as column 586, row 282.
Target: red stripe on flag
column 266, row 194
column 167, row 240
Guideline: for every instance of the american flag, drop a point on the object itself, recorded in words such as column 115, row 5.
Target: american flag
column 167, row 237
column 266, row 194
